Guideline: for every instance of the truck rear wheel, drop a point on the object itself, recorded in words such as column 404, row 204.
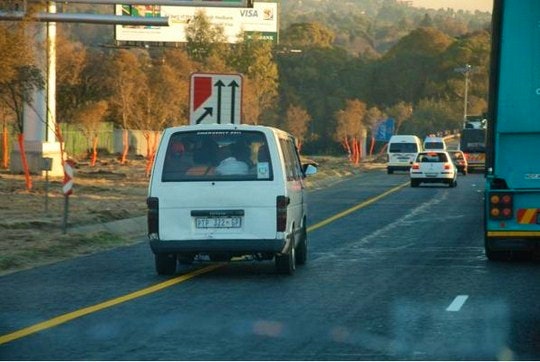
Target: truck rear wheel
column 496, row 255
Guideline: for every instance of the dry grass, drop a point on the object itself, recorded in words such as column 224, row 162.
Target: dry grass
column 31, row 236
column 107, row 192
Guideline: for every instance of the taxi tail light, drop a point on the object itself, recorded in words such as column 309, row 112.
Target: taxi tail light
column 281, row 212
column 415, row 166
column 153, row 217
column 501, row 205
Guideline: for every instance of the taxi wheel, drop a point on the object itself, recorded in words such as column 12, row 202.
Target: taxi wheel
column 301, row 253
column 286, row 263
column 165, row 264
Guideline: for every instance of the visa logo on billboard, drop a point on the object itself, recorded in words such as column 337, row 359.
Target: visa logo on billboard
column 249, row 13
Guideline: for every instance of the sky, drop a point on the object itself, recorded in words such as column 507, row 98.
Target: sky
column 471, row 5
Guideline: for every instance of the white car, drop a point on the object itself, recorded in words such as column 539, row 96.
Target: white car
column 433, row 167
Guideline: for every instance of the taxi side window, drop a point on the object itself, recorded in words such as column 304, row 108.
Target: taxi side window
column 292, row 160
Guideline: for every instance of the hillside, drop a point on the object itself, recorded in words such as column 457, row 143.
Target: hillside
column 358, row 25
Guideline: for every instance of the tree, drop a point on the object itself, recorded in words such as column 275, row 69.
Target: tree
column 432, row 117
column 350, row 126
column 307, row 35
column 126, row 77
column 473, row 49
column 296, row 122
column 181, row 67
column 90, row 117
column 404, row 72
column 400, row 112
column 373, row 116
column 206, row 43
column 19, row 78
column 427, row 21
column 253, row 58
column 158, row 105
column 71, row 92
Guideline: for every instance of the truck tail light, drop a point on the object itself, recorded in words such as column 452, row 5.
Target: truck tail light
column 281, row 212
column 153, row 218
column 501, row 205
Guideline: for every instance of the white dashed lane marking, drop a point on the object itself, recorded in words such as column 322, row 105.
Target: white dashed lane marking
column 457, row 303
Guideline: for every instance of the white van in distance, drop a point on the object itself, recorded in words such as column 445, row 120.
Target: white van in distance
column 219, row 191
column 434, row 143
column 402, row 150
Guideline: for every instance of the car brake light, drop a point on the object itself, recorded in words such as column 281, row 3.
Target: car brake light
column 446, row 166
column 415, row 166
column 281, row 212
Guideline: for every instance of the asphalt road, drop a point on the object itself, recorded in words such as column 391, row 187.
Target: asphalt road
column 398, row 277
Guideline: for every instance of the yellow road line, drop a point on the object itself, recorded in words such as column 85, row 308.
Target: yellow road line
column 513, row 233
column 356, row 207
column 166, row 284
column 107, row 304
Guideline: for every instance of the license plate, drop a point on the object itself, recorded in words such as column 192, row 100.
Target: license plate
column 218, row 222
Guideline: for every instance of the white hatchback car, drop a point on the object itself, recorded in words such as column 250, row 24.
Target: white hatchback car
column 433, row 167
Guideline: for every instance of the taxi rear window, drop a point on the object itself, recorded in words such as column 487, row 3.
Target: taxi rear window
column 220, row 155
column 403, row 147
column 432, row 157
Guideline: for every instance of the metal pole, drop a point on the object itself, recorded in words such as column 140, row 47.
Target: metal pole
column 465, row 98
column 51, row 78
column 199, row 3
column 465, row 71
column 46, row 192
column 85, row 18
column 65, row 218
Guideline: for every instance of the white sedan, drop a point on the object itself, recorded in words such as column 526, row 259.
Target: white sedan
column 433, row 167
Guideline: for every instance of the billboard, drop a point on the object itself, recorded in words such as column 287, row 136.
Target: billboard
column 262, row 18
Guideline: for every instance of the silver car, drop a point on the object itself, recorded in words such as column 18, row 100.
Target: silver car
column 433, row 167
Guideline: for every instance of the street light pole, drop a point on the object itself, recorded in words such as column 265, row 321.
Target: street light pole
column 465, row 71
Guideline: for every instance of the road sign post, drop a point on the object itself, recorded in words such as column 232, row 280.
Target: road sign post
column 46, row 165
column 215, row 98
column 67, row 188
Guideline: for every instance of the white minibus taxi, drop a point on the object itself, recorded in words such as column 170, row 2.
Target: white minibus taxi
column 402, row 150
column 223, row 191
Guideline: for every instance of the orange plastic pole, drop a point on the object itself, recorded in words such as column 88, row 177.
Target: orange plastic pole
column 24, row 162
column 5, row 148
column 125, row 138
column 94, row 151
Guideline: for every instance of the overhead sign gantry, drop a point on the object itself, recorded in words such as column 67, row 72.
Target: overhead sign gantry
column 202, row 3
